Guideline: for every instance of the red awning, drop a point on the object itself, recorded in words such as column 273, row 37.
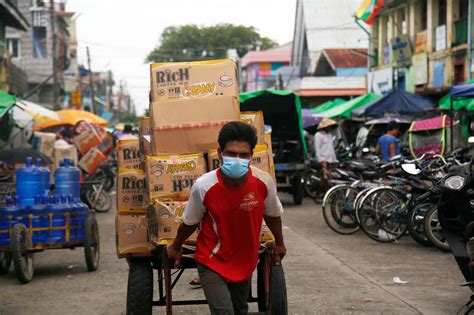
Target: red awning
column 331, row 92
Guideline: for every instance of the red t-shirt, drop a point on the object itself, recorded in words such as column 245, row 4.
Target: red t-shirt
column 231, row 220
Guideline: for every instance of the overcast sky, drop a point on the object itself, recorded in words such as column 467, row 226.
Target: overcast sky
column 120, row 33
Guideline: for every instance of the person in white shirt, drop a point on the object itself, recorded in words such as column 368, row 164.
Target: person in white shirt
column 324, row 147
column 127, row 133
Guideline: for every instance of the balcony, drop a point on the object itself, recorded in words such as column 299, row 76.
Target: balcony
column 460, row 32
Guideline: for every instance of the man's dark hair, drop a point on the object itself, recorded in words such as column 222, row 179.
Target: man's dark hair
column 127, row 129
column 237, row 131
column 392, row 125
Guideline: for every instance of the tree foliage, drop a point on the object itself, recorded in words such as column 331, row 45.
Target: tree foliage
column 192, row 42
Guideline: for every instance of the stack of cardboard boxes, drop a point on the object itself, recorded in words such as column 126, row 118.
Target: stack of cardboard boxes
column 190, row 102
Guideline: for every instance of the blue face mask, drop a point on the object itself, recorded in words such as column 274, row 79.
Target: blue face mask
column 234, row 167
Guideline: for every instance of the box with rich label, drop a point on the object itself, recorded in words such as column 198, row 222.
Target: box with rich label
column 144, row 127
column 131, row 235
column 128, row 154
column 185, row 126
column 255, row 119
column 259, row 159
column 268, row 141
column 173, row 176
column 87, row 140
column 131, row 191
column 91, row 160
column 164, row 219
column 193, row 80
column 44, row 142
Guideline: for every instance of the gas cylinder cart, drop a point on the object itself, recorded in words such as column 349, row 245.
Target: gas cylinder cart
column 271, row 288
column 57, row 225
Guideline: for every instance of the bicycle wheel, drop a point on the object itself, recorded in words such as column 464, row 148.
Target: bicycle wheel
column 416, row 220
column 382, row 214
column 434, row 231
column 312, row 182
column 339, row 211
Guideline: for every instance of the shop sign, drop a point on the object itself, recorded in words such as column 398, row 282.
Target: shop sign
column 420, row 68
column 401, row 50
column 380, row 81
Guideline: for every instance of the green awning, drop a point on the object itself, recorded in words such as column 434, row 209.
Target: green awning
column 6, row 102
column 345, row 109
column 468, row 103
column 327, row 105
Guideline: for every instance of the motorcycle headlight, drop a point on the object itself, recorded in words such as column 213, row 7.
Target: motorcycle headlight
column 455, row 182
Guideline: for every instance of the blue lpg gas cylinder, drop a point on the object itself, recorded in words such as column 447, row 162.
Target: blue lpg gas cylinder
column 45, row 177
column 28, row 183
column 9, row 216
column 73, row 208
column 40, row 220
column 67, row 181
column 81, row 216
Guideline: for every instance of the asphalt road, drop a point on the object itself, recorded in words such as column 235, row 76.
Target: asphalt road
column 326, row 273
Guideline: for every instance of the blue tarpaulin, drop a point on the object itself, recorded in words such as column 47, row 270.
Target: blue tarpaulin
column 398, row 101
column 463, row 90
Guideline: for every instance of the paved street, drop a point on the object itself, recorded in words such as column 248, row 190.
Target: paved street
column 325, row 273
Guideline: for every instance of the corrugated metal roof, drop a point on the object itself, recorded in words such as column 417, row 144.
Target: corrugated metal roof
column 346, row 57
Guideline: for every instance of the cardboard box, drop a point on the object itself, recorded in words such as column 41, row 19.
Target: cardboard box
column 268, row 141
column 255, row 119
column 185, row 126
column 84, row 127
column 92, row 160
column 164, row 219
column 144, row 127
column 259, row 159
column 87, row 140
column 128, row 154
column 44, row 142
column 131, row 191
column 173, row 176
column 131, row 235
column 180, row 80
column 265, row 233
column 107, row 144
column 65, row 152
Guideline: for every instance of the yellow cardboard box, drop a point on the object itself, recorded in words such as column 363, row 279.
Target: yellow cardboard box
column 131, row 191
column 255, row 119
column 131, row 235
column 128, row 154
column 259, row 159
column 193, row 80
column 173, row 176
column 164, row 219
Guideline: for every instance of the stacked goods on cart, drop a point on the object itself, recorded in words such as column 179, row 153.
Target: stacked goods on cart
column 36, row 219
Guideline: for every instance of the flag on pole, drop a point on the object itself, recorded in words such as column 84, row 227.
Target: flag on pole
column 368, row 10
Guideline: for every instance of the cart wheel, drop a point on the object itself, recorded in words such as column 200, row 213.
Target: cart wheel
column 22, row 258
column 271, row 287
column 91, row 243
column 5, row 262
column 140, row 287
column 298, row 190
column 278, row 298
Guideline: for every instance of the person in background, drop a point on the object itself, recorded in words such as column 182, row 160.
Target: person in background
column 127, row 133
column 230, row 204
column 64, row 138
column 387, row 145
column 325, row 153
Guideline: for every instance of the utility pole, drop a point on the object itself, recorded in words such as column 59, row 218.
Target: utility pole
column 91, row 81
column 54, row 47
column 120, row 102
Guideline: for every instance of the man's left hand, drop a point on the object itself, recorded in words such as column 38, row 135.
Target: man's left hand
column 279, row 251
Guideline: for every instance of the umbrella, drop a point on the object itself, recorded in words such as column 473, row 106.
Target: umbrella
column 37, row 112
column 6, row 102
column 309, row 118
column 19, row 156
column 70, row 117
column 387, row 119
